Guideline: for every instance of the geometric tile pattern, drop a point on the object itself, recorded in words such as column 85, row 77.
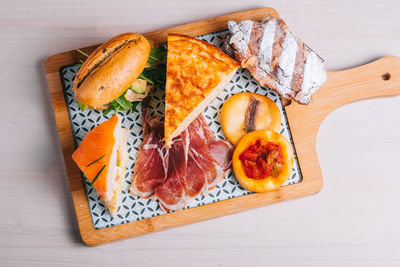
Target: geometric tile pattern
column 134, row 208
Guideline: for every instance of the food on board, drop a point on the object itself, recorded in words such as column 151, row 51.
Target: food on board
column 197, row 72
column 276, row 58
column 263, row 161
column 246, row 112
column 102, row 157
column 120, row 71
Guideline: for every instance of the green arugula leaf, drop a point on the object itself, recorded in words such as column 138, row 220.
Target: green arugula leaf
column 162, row 75
column 113, row 107
column 124, row 103
column 134, row 105
column 105, row 112
column 82, row 106
column 148, row 75
column 121, row 103
column 157, row 55
column 153, row 76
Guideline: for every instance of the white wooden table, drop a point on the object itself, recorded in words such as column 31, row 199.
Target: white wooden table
column 354, row 220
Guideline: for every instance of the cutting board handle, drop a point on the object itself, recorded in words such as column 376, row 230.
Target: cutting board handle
column 380, row 78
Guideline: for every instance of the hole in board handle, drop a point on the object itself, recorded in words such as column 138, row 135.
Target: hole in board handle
column 386, row 76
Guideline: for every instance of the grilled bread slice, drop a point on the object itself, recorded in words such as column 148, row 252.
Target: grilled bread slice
column 197, row 72
column 276, row 58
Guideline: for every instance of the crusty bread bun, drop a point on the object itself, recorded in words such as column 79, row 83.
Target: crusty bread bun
column 111, row 69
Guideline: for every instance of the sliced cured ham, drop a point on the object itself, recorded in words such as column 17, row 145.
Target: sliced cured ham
column 211, row 156
column 196, row 182
column 151, row 167
column 202, row 166
column 212, row 172
column 171, row 194
column 204, row 130
column 194, row 163
column 222, row 152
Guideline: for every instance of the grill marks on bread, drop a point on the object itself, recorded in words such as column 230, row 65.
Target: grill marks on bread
column 276, row 58
column 277, row 47
column 297, row 80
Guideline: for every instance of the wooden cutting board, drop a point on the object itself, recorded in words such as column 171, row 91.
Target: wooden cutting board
column 380, row 78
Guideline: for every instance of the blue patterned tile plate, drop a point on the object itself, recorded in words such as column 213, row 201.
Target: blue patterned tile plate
column 134, row 208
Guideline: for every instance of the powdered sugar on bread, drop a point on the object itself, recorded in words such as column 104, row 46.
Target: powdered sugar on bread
column 278, row 59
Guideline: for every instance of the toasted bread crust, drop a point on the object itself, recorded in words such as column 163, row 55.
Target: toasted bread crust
column 111, row 69
column 276, row 58
column 196, row 72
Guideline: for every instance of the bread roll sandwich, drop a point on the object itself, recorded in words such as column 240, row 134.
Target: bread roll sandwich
column 120, row 71
column 102, row 157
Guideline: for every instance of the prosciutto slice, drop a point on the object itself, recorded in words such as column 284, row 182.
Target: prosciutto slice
column 219, row 151
column 194, row 163
column 222, row 152
column 151, row 165
column 171, row 194
column 196, row 183
column 204, row 130
column 202, row 166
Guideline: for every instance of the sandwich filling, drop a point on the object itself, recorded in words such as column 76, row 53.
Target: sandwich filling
column 102, row 156
column 153, row 74
column 116, row 169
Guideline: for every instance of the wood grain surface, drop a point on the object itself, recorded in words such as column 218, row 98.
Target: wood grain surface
column 353, row 221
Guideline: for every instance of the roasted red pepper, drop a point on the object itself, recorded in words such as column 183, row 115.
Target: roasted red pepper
column 260, row 159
